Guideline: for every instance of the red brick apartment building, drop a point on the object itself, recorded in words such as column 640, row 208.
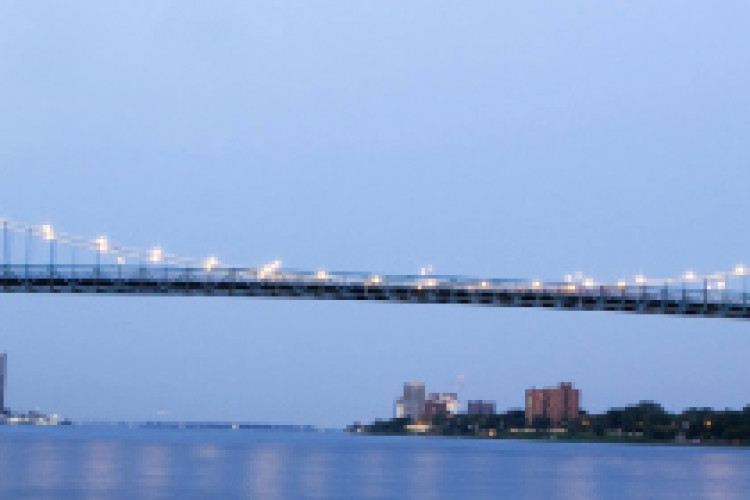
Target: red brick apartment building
column 556, row 403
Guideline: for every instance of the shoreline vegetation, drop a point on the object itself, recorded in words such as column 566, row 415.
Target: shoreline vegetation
column 646, row 422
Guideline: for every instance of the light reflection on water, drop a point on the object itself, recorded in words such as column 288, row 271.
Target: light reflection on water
column 265, row 470
column 100, row 466
column 208, row 462
column 46, row 474
column 315, row 474
column 372, row 471
column 721, row 478
column 153, row 469
column 576, row 479
column 424, row 474
column 109, row 462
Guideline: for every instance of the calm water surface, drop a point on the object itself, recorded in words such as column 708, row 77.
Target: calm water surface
column 112, row 462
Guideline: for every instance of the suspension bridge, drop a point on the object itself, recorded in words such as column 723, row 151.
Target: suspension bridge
column 114, row 269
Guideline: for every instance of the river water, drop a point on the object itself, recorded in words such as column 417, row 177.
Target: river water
column 118, row 462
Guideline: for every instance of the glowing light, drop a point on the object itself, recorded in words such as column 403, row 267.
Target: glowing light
column 740, row 270
column 721, row 285
column 484, row 284
column 536, row 284
column 102, row 244
column 431, row 282
column 640, row 279
column 622, row 284
column 570, row 288
column 424, row 271
column 210, row 263
column 689, row 276
column 269, row 269
column 48, row 233
column 588, row 283
column 155, row 254
column 376, row 280
column 321, row 275
column 120, row 261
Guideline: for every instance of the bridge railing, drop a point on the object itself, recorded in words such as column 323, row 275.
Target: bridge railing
column 170, row 275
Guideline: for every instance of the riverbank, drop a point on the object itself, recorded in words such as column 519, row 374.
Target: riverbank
column 525, row 435
column 644, row 423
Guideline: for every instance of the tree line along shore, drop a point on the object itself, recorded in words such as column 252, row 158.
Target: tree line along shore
column 646, row 422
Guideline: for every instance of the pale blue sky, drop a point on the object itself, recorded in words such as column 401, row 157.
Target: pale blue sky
column 500, row 139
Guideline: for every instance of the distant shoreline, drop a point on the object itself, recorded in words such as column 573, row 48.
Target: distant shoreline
column 551, row 438
column 198, row 424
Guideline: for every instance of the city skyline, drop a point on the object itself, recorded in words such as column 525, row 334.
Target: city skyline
column 500, row 140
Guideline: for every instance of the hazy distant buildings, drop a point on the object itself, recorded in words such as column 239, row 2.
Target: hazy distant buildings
column 412, row 404
column 549, row 407
column 417, row 407
column 34, row 417
column 481, row 407
column 441, row 404
column 555, row 403
column 3, row 363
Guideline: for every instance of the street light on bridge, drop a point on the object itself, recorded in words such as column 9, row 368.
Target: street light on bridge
column 210, row 263
column 102, row 246
column 155, row 255
column 741, row 270
column 49, row 235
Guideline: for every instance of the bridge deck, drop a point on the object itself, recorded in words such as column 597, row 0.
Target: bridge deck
column 411, row 290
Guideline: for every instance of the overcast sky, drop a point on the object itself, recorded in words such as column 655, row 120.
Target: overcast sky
column 497, row 139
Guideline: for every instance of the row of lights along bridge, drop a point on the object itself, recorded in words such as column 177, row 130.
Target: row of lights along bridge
column 101, row 245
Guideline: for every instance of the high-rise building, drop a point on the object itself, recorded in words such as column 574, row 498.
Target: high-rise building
column 3, row 363
column 440, row 404
column 480, row 407
column 412, row 404
column 556, row 403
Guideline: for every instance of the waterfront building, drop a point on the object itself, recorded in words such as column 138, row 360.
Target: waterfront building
column 412, row 404
column 555, row 403
column 481, row 407
column 399, row 411
column 441, row 405
column 3, row 363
